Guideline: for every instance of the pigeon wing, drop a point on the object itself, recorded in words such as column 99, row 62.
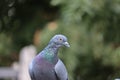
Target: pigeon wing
column 61, row 71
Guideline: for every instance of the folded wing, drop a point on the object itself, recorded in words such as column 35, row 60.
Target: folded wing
column 61, row 70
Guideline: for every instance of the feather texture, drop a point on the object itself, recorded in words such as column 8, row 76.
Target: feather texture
column 46, row 65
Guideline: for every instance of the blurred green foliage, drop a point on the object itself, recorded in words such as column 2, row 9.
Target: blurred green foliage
column 92, row 28
column 19, row 19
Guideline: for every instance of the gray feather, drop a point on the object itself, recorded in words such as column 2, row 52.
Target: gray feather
column 46, row 65
column 31, row 71
column 61, row 70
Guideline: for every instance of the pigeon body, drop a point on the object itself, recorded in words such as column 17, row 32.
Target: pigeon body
column 46, row 65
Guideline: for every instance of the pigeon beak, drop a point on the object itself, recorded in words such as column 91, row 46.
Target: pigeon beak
column 66, row 44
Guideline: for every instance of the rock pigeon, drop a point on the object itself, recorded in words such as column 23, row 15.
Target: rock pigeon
column 47, row 65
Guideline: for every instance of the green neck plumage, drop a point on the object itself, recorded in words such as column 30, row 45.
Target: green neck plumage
column 49, row 55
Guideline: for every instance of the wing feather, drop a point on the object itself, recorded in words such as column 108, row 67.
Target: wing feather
column 61, row 71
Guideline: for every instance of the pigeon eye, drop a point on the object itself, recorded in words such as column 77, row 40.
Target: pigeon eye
column 60, row 39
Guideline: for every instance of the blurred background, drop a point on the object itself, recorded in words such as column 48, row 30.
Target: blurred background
column 92, row 28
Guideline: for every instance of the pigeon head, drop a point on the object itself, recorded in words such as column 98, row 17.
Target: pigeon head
column 59, row 40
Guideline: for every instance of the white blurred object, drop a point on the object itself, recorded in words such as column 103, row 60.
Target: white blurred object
column 117, row 79
column 26, row 55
